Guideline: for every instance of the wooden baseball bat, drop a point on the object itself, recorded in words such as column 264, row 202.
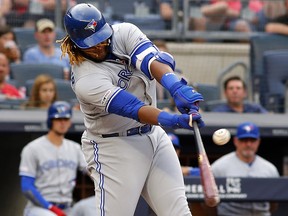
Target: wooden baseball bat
column 211, row 195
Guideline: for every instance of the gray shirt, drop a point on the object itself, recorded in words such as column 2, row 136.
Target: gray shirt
column 231, row 166
column 54, row 168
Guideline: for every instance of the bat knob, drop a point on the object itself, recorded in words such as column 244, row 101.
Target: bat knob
column 213, row 201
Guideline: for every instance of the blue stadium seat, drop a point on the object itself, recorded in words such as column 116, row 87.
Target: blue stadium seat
column 21, row 72
column 258, row 45
column 211, row 94
column 149, row 22
column 276, row 76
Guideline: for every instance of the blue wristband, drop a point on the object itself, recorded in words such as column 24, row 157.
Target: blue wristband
column 166, row 119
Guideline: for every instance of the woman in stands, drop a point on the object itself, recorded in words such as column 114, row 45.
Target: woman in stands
column 43, row 93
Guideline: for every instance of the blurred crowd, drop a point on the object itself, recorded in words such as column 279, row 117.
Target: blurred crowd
column 39, row 18
column 204, row 15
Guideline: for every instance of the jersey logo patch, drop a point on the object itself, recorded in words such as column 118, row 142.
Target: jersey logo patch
column 91, row 25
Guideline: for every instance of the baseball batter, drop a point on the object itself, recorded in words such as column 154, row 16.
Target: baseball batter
column 49, row 166
column 115, row 69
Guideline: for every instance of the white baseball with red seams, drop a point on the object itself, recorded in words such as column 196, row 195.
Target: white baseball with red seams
column 221, row 136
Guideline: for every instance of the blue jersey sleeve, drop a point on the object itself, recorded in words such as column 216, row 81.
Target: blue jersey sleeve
column 125, row 104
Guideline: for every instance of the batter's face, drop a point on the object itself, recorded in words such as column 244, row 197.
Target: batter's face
column 99, row 52
column 60, row 126
column 246, row 148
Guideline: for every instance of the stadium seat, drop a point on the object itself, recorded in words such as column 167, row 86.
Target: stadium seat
column 149, row 22
column 211, row 94
column 22, row 72
column 258, row 45
column 276, row 76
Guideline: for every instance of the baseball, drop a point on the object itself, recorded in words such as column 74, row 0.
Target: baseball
column 221, row 136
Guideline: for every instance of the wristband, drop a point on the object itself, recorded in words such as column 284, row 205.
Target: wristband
column 167, row 120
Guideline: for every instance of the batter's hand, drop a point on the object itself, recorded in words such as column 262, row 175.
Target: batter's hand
column 180, row 121
column 57, row 210
column 185, row 97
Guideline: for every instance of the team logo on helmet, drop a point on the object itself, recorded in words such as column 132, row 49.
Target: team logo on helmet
column 91, row 25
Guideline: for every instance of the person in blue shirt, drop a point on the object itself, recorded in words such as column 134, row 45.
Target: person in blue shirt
column 235, row 91
column 46, row 51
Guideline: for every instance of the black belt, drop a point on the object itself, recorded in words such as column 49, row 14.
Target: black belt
column 133, row 131
column 61, row 205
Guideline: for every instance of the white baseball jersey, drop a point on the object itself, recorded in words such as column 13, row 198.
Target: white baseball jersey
column 96, row 84
column 54, row 168
column 125, row 167
column 231, row 166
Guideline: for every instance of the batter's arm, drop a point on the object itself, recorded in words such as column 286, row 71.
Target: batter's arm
column 127, row 105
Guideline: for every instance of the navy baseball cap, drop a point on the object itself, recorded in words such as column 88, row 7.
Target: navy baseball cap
column 247, row 130
column 174, row 139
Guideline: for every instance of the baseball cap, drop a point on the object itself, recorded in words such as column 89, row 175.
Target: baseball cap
column 174, row 139
column 43, row 24
column 247, row 130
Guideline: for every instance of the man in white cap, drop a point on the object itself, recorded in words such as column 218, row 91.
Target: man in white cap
column 244, row 162
column 45, row 51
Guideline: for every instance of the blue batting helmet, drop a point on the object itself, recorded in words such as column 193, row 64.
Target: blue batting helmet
column 59, row 109
column 86, row 26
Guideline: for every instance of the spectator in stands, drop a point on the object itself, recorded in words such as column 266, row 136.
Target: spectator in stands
column 166, row 11
column 49, row 166
column 279, row 25
column 5, row 7
column 244, row 162
column 186, row 170
column 8, row 45
column 46, row 51
column 270, row 10
column 235, row 91
column 48, row 7
column 222, row 13
column 19, row 13
column 43, row 93
column 7, row 91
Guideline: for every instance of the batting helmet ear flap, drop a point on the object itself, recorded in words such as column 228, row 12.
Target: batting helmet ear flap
column 59, row 109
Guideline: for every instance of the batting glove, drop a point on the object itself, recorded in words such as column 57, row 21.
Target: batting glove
column 57, row 210
column 185, row 97
column 179, row 121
